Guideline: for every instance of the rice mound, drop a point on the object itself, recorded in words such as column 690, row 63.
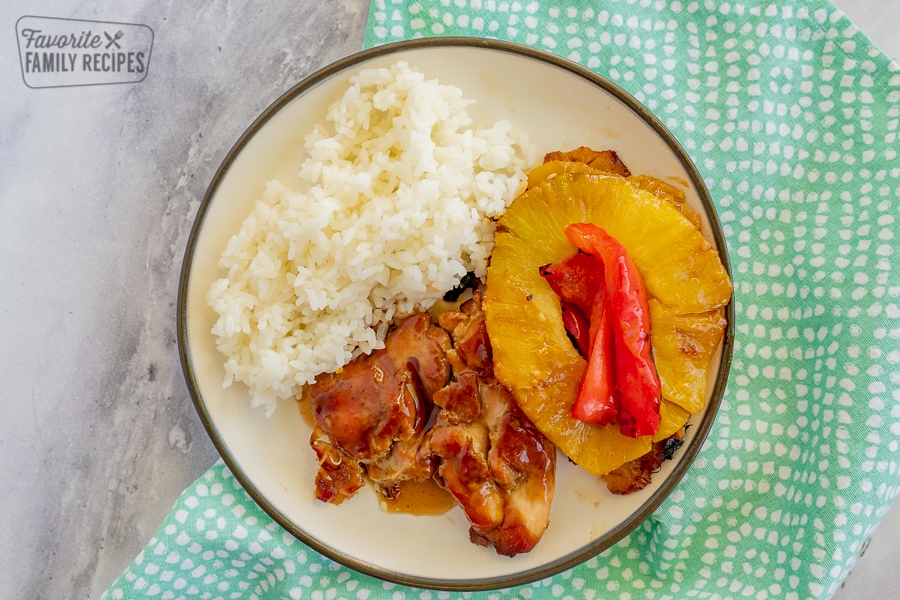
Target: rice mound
column 399, row 192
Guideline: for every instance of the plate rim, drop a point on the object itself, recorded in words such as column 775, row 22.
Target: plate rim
column 602, row 543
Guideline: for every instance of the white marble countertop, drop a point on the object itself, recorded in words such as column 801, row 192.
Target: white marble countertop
column 100, row 184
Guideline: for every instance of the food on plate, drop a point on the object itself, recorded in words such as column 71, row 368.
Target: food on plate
column 496, row 463
column 370, row 415
column 393, row 208
column 557, row 281
column 636, row 474
column 452, row 319
column 600, row 286
column 584, row 300
column 687, row 289
column 426, row 406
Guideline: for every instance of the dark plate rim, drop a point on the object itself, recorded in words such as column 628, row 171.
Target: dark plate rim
column 688, row 452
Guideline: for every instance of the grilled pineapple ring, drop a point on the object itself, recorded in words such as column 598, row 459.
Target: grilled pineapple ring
column 687, row 285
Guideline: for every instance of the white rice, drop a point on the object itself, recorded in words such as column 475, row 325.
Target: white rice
column 398, row 192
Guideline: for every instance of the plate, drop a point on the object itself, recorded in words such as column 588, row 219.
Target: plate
column 560, row 106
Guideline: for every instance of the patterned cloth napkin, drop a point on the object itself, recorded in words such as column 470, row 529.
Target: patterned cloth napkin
column 791, row 116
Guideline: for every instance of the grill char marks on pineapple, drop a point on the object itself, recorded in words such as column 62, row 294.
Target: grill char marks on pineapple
column 607, row 161
column 635, row 475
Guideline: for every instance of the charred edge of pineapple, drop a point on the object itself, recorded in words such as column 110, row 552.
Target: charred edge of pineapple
column 635, row 475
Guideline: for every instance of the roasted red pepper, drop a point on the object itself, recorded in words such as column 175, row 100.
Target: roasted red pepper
column 597, row 400
column 637, row 385
column 577, row 326
column 579, row 282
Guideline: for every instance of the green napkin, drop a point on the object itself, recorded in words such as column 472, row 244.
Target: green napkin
column 791, row 116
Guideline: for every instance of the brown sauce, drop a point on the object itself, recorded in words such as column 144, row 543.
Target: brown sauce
column 420, row 498
column 305, row 405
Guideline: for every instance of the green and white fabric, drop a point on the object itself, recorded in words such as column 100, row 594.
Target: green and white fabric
column 791, row 116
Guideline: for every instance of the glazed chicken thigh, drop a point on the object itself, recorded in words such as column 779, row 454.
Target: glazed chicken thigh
column 492, row 459
column 370, row 417
column 428, row 405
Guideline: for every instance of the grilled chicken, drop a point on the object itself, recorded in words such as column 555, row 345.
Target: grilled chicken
column 375, row 420
column 370, row 416
column 491, row 458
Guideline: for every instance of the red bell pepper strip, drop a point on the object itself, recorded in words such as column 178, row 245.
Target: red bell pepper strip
column 577, row 326
column 576, row 279
column 597, row 400
column 580, row 283
column 638, row 393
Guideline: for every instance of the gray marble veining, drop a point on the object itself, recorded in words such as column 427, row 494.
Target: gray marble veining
column 99, row 189
column 98, row 192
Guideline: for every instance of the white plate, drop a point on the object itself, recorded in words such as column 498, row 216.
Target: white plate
column 560, row 106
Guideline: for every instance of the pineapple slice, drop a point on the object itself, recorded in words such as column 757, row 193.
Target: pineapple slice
column 607, row 162
column 636, row 474
column 533, row 356
column 683, row 347
column 580, row 160
column 668, row 192
column 672, row 418
column 555, row 167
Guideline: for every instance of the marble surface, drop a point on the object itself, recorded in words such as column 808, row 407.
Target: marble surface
column 99, row 189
